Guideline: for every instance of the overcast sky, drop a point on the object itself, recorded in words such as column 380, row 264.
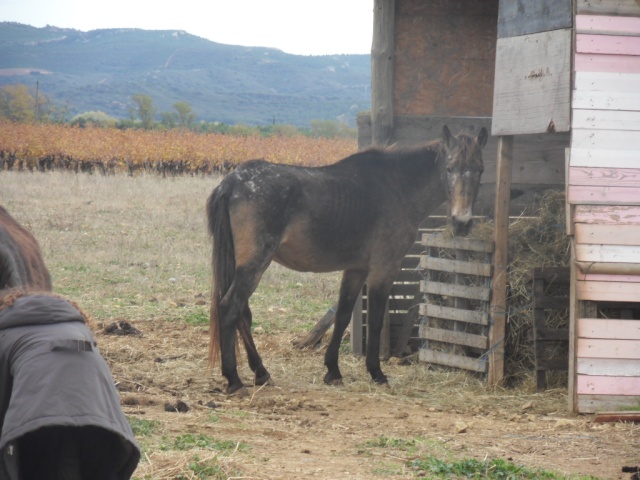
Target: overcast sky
column 294, row 26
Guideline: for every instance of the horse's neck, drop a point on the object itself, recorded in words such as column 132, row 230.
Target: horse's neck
column 424, row 193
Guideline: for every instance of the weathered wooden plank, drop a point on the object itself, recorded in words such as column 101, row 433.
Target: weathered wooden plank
column 462, row 291
column 603, row 385
column 607, row 234
column 581, row 194
column 595, row 403
column 588, row 62
column 457, row 314
column 607, row 82
column 607, row 214
column 607, row 291
column 587, row 157
column 382, row 57
column 621, row 177
column 454, row 337
column 586, row 252
column 524, row 18
column 593, row 119
column 532, row 84
column 608, row 44
column 619, row 367
column 550, row 303
column 552, row 334
column 607, row 7
column 602, row 100
column 456, row 266
column 456, row 243
column 604, row 24
column 450, row 360
column 625, row 416
column 609, row 328
column 607, row 348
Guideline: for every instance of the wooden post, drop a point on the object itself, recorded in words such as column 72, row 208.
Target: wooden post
column 382, row 72
column 498, row 312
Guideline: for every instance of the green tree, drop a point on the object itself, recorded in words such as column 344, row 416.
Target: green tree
column 17, row 103
column 185, row 116
column 145, row 110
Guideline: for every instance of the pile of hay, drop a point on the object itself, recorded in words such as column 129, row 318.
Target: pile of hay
column 536, row 239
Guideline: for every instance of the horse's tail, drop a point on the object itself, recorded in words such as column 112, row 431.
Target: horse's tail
column 223, row 263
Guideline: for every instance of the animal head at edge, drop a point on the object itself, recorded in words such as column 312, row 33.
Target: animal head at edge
column 463, row 170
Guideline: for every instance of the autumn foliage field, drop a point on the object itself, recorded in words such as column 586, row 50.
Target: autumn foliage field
column 58, row 147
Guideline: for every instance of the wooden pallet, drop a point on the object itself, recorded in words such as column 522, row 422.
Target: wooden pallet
column 456, row 305
column 544, row 281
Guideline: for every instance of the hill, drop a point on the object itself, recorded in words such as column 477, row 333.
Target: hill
column 103, row 69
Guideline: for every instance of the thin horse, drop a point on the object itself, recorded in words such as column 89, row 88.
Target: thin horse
column 21, row 263
column 359, row 215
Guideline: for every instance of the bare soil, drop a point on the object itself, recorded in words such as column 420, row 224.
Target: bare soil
column 299, row 427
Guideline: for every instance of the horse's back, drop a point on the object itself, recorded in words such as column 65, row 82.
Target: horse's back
column 21, row 262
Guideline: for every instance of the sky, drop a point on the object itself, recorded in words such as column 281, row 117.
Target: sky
column 300, row 27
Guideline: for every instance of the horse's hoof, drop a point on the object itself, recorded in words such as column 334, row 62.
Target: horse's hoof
column 238, row 390
column 381, row 380
column 264, row 380
column 336, row 382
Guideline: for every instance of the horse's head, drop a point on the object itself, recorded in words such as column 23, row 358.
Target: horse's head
column 462, row 171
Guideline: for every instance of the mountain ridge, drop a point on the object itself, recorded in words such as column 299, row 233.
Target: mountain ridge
column 102, row 70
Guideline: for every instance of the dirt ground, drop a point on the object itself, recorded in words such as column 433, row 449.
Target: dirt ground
column 299, row 427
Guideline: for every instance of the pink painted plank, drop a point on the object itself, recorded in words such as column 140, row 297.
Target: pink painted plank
column 613, row 367
column 609, row 328
column 608, row 44
column 607, row 348
column 579, row 194
column 602, row 385
column 607, row 214
column 606, row 24
column 620, row 177
column 607, row 291
column 587, row 62
column 607, row 234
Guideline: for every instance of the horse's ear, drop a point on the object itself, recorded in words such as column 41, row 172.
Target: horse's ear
column 446, row 135
column 482, row 137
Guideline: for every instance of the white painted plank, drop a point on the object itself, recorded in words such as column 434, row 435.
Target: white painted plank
column 607, row 234
column 606, row 100
column 609, row 328
column 606, row 140
column 619, row 367
column 586, row 157
column 607, row 82
column 608, row 25
column 608, row 292
column 607, row 214
column 608, row 253
column 605, row 119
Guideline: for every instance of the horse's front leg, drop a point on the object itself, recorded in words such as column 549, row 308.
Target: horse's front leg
column 377, row 298
column 352, row 281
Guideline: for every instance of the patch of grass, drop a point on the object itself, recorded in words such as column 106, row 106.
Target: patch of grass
column 190, row 441
column 199, row 317
column 205, row 469
column 142, row 427
column 497, row 469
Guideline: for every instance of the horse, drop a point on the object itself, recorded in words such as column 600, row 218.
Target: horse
column 21, row 263
column 359, row 215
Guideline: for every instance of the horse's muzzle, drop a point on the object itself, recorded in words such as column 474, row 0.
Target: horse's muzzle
column 461, row 228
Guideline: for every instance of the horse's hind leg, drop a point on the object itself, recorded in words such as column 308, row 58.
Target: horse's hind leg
column 255, row 362
column 352, row 281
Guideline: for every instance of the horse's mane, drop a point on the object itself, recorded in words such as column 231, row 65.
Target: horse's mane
column 390, row 157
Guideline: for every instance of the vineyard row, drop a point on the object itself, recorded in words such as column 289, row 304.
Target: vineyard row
column 59, row 147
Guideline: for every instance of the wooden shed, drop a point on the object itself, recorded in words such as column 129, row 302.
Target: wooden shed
column 557, row 82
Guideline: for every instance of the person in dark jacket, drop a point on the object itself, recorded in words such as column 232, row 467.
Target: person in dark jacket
column 60, row 414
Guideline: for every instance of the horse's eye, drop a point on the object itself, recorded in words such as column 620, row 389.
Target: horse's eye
column 449, row 170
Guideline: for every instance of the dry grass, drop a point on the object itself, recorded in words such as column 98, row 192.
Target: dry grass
column 135, row 249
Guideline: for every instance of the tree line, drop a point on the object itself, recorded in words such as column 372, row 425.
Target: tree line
column 23, row 104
